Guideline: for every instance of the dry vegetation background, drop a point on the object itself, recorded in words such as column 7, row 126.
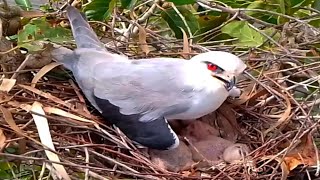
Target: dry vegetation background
column 48, row 132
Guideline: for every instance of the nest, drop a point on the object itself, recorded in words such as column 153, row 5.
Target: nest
column 51, row 129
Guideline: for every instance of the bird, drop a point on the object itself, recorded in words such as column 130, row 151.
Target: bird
column 140, row 96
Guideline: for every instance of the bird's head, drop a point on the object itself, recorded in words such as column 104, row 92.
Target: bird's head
column 223, row 66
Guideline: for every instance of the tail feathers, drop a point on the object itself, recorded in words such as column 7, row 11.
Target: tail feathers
column 83, row 34
column 63, row 55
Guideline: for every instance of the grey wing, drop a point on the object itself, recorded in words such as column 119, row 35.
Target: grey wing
column 152, row 88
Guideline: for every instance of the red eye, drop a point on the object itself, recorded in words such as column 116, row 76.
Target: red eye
column 212, row 67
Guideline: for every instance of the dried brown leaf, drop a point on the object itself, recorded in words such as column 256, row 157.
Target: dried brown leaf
column 44, row 70
column 45, row 138
column 284, row 117
column 143, row 40
column 255, row 96
column 17, row 104
column 9, row 119
column 284, row 168
column 292, row 162
column 303, row 154
column 3, row 139
column 245, row 95
column 80, row 106
column 60, row 112
column 32, row 14
column 4, row 97
column 186, row 46
column 7, row 84
column 47, row 95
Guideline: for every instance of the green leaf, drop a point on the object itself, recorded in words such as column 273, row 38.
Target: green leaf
column 46, row 8
column 182, row 2
column 299, row 3
column 316, row 5
column 208, row 22
column 272, row 32
column 315, row 23
column 4, row 165
column 24, row 4
column 238, row 3
column 11, row 150
column 247, row 36
column 255, row 5
column 99, row 10
column 128, row 4
column 6, row 175
column 264, row 16
column 40, row 30
column 282, row 6
column 175, row 22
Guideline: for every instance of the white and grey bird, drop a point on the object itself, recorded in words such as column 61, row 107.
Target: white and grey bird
column 139, row 96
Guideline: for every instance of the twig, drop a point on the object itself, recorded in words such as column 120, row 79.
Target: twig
column 86, row 174
column 270, row 38
column 317, row 157
column 65, row 5
column 215, row 6
column 216, row 29
column 287, row 89
column 1, row 28
column 21, row 67
column 183, row 19
column 43, row 168
column 280, row 14
column 8, row 51
column 132, row 29
column 242, row 16
column 74, row 165
column 114, row 161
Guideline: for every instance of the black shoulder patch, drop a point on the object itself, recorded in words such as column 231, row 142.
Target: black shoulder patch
column 155, row 134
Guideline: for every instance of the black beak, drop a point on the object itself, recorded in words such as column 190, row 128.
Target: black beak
column 228, row 83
